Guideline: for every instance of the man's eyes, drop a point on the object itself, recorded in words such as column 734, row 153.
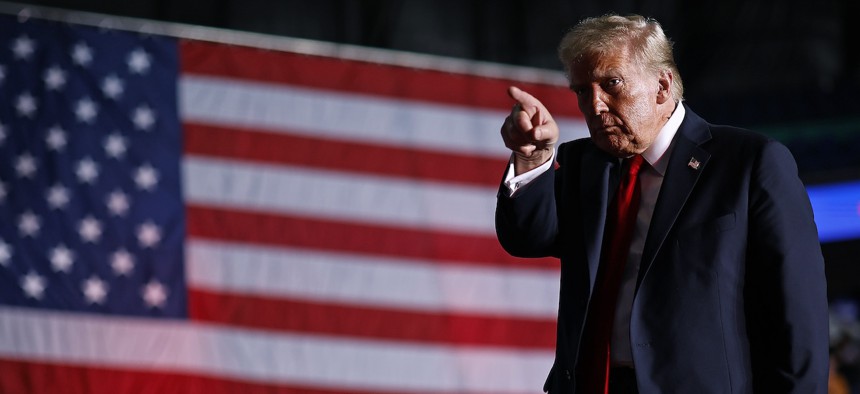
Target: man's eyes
column 607, row 85
column 612, row 82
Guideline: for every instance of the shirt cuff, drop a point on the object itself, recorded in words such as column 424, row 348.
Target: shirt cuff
column 514, row 183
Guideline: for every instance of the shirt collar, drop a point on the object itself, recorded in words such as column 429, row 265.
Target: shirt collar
column 657, row 155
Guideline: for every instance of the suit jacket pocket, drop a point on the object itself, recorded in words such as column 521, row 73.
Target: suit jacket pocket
column 721, row 223
column 709, row 246
column 725, row 222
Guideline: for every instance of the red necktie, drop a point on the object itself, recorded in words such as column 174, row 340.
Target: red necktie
column 620, row 222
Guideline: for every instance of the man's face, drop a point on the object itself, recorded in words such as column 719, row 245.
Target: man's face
column 620, row 101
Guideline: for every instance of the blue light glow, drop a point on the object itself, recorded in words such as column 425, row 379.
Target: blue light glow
column 837, row 210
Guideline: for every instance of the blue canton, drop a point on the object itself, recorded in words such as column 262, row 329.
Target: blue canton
column 91, row 211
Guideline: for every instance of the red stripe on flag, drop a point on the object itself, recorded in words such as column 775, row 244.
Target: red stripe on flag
column 295, row 231
column 30, row 377
column 365, row 78
column 266, row 147
column 366, row 322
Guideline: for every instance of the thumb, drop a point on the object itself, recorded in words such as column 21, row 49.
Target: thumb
column 537, row 133
column 539, row 118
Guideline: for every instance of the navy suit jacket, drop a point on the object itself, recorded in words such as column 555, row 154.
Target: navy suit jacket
column 731, row 294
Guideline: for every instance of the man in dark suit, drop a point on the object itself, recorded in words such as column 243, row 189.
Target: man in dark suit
column 690, row 261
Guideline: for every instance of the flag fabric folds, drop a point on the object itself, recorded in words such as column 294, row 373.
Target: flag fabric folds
column 187, row 216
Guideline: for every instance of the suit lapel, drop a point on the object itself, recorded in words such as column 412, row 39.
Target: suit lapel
column 686, row 164
column 594, row 194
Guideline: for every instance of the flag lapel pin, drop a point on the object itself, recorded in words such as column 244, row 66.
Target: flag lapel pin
column 694, row 163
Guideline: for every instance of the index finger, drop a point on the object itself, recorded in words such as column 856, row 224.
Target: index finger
column 531, row 105
column 523, row 98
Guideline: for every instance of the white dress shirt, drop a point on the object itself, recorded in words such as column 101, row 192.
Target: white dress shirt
column 650, row 181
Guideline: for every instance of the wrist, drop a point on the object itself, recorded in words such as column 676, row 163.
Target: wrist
column 526, row 162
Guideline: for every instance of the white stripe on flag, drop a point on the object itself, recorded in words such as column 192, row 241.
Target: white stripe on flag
column 338, row 195
column 350, row 116
column 168, row 345
column 371, row 281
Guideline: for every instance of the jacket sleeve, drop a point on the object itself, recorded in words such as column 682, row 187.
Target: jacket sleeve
column 527, row 223
column 786, row 288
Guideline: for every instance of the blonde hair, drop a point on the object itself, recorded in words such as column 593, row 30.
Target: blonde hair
column 642, row 37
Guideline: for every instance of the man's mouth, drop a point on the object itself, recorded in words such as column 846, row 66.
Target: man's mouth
column 609, row 128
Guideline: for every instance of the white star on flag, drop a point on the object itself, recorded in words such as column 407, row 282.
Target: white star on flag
column 25, row 165
column 90, row 229
column 33, row 285
column 62, row 258
column 82, row 54
column 112, row 87
column 5, row 252
column 95, row 290
column 117, row 203
column 122, row 262
column 58, row 196
column 86, row 110
column 87, row 171
column 148, row 234
column 56, row 138
column 138, row 61
column 2, row 73
column 29, row 224
column 26, row 105
column 143, row 118
column 115, row 145
column 154, row 294
column 55, row 78
column 2, row 133
column 23, row 47
column 2, row 192
column 146, row 177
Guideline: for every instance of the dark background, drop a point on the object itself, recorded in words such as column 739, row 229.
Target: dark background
column 788, row 68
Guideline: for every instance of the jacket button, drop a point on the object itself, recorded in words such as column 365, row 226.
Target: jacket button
column 567, row 374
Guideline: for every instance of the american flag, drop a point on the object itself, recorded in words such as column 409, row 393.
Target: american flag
column 180, row 215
